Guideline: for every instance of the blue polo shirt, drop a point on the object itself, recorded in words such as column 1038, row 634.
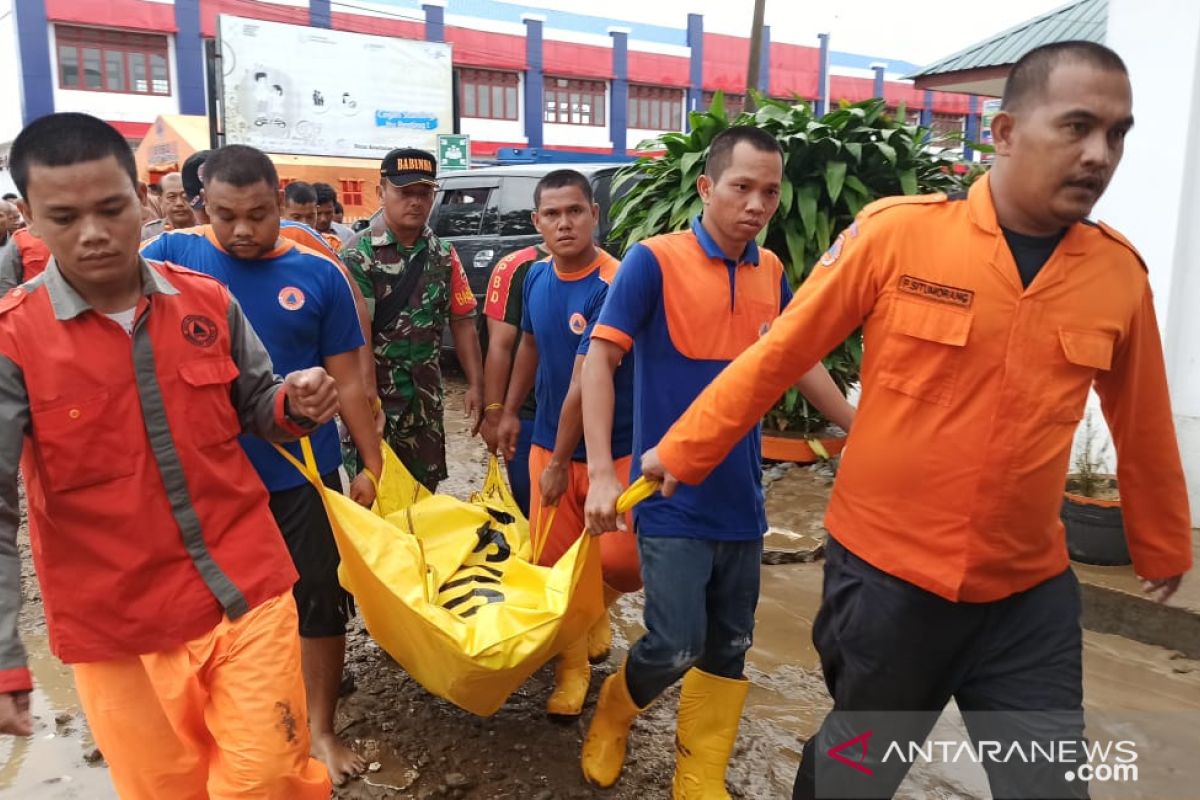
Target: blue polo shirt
column 299, row 304
column 686, row 311
column 560, row 311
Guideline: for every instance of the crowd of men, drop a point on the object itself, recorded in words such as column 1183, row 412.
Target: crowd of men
column 189, row 573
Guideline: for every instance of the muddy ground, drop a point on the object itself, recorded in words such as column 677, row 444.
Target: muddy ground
column 423, row 747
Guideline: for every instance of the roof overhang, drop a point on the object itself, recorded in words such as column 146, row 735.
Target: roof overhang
column 986, row 81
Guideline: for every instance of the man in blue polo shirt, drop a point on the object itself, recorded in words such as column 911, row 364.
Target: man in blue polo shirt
column 687, row 304
column 562, row 301
column 300, row 304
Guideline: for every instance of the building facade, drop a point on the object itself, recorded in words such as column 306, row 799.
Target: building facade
column 548, row 79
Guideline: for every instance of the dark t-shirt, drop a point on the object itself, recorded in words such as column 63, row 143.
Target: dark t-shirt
column 1031, row 252
column 505, row 301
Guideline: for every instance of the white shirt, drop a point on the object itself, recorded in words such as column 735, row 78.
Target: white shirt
column 124, row 319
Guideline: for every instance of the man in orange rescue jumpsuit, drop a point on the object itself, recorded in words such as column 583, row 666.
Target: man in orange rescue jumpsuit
column 166, row 583
column 987, row 318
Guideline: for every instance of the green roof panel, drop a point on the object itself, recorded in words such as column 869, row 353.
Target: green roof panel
column 1081, row 19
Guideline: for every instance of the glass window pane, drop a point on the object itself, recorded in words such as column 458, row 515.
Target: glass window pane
column 550, row 114
column 160, row 77
column 92, row 77
column 137, row 73
column 497, row 102
column 485, row 106
column 656, row 115
column 468, row 97
column 114, row 70
column 68, row 66
column 598, row 109
column 510, row 103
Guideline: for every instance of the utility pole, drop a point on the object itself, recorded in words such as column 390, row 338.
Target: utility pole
column 756, row 42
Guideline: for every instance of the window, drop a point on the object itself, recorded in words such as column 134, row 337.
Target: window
column 352, row 192
column 655, row 108
column 734, row 103
column 461, row 211
column 515, row 206
column 572, row 102
column 947, row 124
column 98, row 60
column 488, row 94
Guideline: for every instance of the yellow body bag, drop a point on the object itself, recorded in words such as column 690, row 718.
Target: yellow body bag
column 448, row 589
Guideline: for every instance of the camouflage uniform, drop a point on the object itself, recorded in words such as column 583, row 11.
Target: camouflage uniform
column 408, row 350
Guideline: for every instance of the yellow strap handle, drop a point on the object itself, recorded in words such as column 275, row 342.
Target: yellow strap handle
column 638, row 491
column 309, row 466
column 541, row 530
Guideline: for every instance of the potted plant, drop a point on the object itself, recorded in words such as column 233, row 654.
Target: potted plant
column 1091, row 509
column 834, row 165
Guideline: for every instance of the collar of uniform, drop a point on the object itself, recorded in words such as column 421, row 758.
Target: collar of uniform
column 67, row 303
column 982, row 211
column 385, row 237
column 713, row 250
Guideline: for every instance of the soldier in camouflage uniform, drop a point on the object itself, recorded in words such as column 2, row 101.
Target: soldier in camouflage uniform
column 413, row 284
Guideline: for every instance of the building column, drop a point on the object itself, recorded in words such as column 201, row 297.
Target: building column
column 927, row 109
column 972, row 127
column 764, row 62
column 33, row 43
column 695, row 41
column 320, row 14
column 189, row 58
column 435, row 20
column 1159, row 41
column 822, row 104
column 879, row 70
column 619, row 106
column 534, row 80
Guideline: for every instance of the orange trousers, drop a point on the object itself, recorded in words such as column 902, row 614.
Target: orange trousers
column 221, row 716
column 618, row 550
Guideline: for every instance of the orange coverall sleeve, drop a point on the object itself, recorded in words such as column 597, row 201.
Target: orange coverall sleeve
column 1137, row 406
column 834, row 300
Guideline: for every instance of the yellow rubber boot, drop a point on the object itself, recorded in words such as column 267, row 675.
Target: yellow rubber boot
column 604, row 747
column 710, row 709
column 600, row 634
column 572, row 675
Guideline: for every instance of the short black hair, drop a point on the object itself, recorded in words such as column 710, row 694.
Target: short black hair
column 240, row 165
column 720, row 152
column 325, row 193
column 61, row 140
column 1031, row 73
column 300, row 193
column 337, row 207
column 10, row 197
column 560, row 179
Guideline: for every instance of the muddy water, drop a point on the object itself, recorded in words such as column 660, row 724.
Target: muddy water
column 50, row 764
column 786, row 702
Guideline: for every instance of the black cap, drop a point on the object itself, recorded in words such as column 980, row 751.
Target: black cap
column 193, row 179
column 407, row 165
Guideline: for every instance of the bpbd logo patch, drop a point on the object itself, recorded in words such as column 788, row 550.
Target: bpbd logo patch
column 200, row 331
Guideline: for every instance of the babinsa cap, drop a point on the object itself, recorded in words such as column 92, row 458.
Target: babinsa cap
column 408, row 165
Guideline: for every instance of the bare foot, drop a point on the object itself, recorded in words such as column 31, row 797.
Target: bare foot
column 342, row 762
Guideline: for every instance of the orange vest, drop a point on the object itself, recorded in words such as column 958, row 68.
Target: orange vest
column 33, row 253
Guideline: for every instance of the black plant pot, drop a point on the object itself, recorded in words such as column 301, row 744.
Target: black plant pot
column 1095, row 533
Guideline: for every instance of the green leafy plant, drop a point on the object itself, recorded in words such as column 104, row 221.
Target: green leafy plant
column 1089, row 476
column 834, row 165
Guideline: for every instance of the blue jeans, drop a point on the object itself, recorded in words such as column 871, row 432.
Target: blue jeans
column 700, row 600
column 518, row 467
